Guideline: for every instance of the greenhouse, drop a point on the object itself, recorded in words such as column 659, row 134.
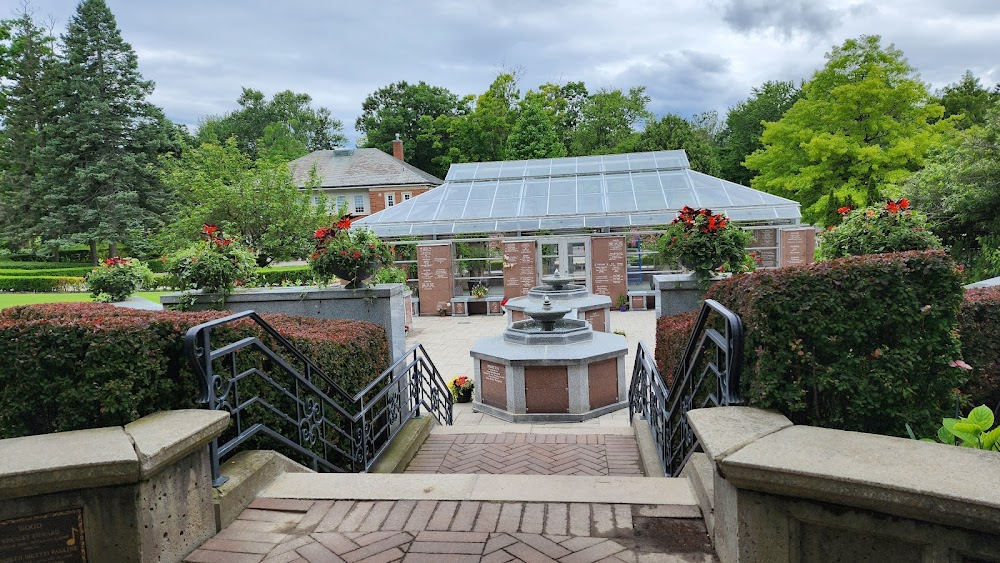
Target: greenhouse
column 560, row 207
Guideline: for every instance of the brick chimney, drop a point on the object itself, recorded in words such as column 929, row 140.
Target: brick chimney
column 397, row 147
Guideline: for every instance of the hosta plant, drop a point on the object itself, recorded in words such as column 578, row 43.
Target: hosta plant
column 972, row 431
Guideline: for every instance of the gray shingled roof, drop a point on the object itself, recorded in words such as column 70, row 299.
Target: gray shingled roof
column 359, row 168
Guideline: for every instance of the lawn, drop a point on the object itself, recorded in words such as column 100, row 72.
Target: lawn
column 11, row 299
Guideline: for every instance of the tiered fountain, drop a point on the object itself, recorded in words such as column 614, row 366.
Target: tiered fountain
column 549, row 369
column 579, row 303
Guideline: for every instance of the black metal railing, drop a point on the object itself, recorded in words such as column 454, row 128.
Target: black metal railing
column 708, row 375
column 285, row 399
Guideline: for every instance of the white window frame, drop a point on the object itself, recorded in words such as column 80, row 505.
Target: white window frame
column 407, row 196
column 390, row 199
column 360, row 205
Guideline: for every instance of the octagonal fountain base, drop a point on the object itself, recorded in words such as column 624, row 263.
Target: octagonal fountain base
column 567, row 374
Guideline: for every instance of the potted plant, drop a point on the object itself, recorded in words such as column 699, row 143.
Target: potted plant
column 480, row 291
column 461, row 389
column 622, row 303
column 706, row 243
column 117, row 279
column 216, row 265
column 350, row 254
column 443, row 312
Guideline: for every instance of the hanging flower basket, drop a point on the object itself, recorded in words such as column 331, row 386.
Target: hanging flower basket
column 352, row 255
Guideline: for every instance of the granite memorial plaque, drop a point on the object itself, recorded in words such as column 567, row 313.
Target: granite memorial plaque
column 54, row 537
column 519, row 271
column 607, row 259
column 435, row 277
column 494, row 382
column 798, row 246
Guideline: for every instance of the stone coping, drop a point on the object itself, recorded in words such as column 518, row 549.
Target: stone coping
column 908, row 478
column 301, row 293
column 79, row 459
column 505, row 488
column 603, row 346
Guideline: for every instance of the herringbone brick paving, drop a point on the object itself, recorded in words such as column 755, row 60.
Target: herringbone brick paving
column 527, row 454
column 287, row 530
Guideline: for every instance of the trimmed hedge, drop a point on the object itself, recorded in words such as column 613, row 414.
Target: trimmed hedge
column 979, row 330
column 29, row 265
column 672, row 335
column 39, row 284
column 79, row 272
column 297, row 275
column 862, row 343
column 69, row 366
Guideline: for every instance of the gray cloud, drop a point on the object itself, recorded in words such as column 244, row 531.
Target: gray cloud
column 784, row 17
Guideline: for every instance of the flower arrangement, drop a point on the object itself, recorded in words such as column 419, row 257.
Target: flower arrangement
column 892, row 227
column 216, row 265
column 479, row 291
column 706, row 243
column 349, row 254
column 461, row 389
column 117, row 279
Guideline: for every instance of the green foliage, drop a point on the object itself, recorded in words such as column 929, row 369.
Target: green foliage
column 706, row 243
column 741, row 134
column 674, row 132
column 672, row 335
column 972, row 431
column 390, row 274
column 420, row 114
column 459, row 385
column 215, row 265
column 29, row 265
column 85, row 365
column 865, row 343
column 40, row 284
column 349, row 254
column 255, row 201
column 959, row 189
column 96, row 167
column 285, row 276
column 282, row 128
column 608, row 119
column 968, row 98
column 533, row 135
column 862, row 127
column 564, row 106
column 117, row 279
column 80, row 271
column 979, row 330
column 892, row 227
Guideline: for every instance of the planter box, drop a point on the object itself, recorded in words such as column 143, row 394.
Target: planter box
column 382, row 304
column 677, row 293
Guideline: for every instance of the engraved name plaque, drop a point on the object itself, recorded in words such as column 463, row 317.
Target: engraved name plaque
column 44, row 538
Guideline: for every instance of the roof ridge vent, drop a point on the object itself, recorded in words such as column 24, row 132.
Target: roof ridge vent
column 343, row 151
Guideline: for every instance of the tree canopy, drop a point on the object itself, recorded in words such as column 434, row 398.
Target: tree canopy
column 672, row 132
column 968, row 98
column 286, row 126
column 744, row 124
column 862, row 127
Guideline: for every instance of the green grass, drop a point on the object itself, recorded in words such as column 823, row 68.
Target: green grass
column 12, row 299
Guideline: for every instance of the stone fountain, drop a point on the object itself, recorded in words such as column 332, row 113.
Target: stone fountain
column 578, row 302
column 549, row 368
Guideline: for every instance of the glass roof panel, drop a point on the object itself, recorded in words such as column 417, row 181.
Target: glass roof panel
column 590, row 204
column 562, row 205
column 645, row 182
column 536, row 188
column 620, row 203
column 676, row 199
column 488, row 170
column 615, row 162
column 674, row 180
column 562, row 187
column 650, row 201
column 562, row 222
column 505, row 207
column 483, row 190
column 512, row 169
column 744, row 196
column 641, row 161
column 619, row 183
column 477, row 210
column 538, row 167
column 588, row 165
column 597, row 222
column 589, row 185
column 509, row 225
column 563, row 166
column 787, row 212
column 671, row 159
column 458, row 192
column 531, row 206
column 712, row 198
column 509, row 189
column 465, row 171
column 451, row 210
column 618, row 221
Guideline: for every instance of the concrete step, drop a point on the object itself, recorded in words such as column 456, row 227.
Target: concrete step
column 497, row 488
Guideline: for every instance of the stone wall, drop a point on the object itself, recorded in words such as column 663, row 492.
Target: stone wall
column 774, row 492
column 142, row 492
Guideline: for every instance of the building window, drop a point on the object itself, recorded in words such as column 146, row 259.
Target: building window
column 390, row 200
column 407, row 196
column 359, row 204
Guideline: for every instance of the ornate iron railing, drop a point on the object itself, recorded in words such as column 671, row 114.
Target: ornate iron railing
column 286, row 399
column 708, row 375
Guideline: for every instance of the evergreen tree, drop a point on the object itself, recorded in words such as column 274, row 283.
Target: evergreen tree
column 97, row 168
column 968, row 98
column 27, row 108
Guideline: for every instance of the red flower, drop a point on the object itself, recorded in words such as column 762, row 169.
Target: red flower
column 357, row 254
column 461, row 381
column 321, row 233
column 903, row 203
column 209, row 229
column 844, row 210
column 344, row 223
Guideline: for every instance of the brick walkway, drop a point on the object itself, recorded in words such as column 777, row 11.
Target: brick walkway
column 528, row 454
column 286, row 530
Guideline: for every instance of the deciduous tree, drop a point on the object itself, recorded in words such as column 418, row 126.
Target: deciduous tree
column 672, row 132
column 740, row 135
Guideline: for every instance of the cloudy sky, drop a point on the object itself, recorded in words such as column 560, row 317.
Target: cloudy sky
column 692, row 55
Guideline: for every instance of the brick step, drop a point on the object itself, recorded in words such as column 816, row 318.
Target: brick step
column 493, row 488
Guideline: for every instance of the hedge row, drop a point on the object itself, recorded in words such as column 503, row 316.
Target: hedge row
column 40, row 284
column 979, row 330
column 18, row 265
column 70, row 366
column 297, row 275
column 863, row 343
column 78, row 272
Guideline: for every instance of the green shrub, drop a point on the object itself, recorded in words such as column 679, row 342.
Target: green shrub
column 76, row 272
column 69, row 366
column 865, row 343
column 40, row 284
column 285, row 275
column 390, row 274
column 892, row 227
column 979, row 331
column 215, row 265
column 672, row 335
column 117, row 279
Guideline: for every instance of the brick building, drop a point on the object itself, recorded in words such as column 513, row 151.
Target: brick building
column 366, row 181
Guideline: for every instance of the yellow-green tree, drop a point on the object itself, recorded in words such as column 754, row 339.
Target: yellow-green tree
column 862, row 128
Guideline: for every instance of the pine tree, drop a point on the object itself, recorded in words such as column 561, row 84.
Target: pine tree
column 27, row 108
column 97, row 166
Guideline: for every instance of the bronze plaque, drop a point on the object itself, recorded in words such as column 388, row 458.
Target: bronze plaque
column 596, row 318
column 546, row 389
column 603, row 380
column 518, row 268
column 798, row 246
column 435, row 278
column 494, row 382
column 608, row 274
column 44, row 538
